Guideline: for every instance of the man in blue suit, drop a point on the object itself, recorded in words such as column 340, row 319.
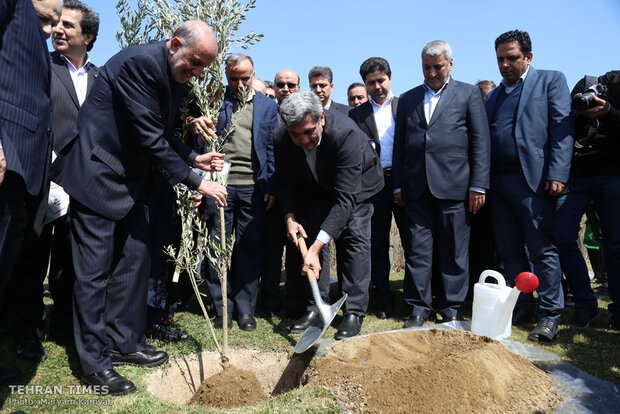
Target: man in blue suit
column 124, row 132
column 247, row 130
column 25, row 128
column 440, row 166
column 531, row 148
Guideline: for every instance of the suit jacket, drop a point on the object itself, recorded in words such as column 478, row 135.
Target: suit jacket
column 347, row 166
column 543, row 129
column 364, row 117
column 25, row 114
column 125, row 127
column 450, row 153
column 264, row 122
column 335, row 106
column 65, row 106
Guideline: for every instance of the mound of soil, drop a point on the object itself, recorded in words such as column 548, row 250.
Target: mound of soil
column 433, row 371
column 232, row 387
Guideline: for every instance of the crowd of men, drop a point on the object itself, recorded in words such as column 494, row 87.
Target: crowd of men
column 520, row 158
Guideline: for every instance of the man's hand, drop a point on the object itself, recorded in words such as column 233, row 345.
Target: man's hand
column 270, row 201
column 311, row 260
column 2, row 166
column 554, row 188
column 196, row 200
column 476, row 201
column 600, row 110
column 211, row 161
column 292, row 228
column 201, row 126
column 398, row 199
column 213, row 190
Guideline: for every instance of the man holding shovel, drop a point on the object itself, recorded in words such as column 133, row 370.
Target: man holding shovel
column 327, row 171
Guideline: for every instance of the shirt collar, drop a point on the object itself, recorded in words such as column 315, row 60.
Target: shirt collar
column 84, row 67
column 521, row 79
column 428, row 89
column 388, row 100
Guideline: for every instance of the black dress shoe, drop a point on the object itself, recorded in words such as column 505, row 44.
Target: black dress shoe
column 165, row 333
column 545, row 331
column 301, row 324
column 9, row 375
column 115, row 382
column 414, row 320
column 452, row 318
column 218, row 322
column 583, row 316
column 523, row 315
column 350, row 326
column 144, row 358
column 246, row 322
column 31, row 348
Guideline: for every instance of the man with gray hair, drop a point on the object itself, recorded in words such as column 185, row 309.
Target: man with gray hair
column 440, row 170
column 321, row 80
column 327, row 172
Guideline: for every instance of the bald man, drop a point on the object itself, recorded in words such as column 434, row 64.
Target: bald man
column 124, row 132
column 286, row 82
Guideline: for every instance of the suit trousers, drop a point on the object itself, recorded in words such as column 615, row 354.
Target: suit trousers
column 520, row 218
column 245, row 215
column 165, row 231
column 445, row 223
column 111, row 262
column 604, row 190
column 275, row 239
column 353, row 262
column 384, row 206
column 16, row 216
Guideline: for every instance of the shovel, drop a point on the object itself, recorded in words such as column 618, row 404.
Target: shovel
column 315, row 330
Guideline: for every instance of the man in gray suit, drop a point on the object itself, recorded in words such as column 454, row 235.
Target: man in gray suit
column 440, row 170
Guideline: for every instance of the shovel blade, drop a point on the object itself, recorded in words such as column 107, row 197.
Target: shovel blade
column 318, row 328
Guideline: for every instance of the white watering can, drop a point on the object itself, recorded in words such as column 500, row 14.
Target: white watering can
column 494, row 303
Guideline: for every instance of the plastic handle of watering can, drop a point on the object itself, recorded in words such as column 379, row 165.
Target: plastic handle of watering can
column 501, row 282
column 301, row 242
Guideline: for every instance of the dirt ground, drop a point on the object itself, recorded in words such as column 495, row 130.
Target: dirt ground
column 274, row 372
column 433, row 371
column 429, row 371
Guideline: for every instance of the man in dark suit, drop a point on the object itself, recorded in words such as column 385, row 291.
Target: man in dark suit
column 247, row 132
column 25, row 129
column 441, row 170
column 327, row 173
column 285, row 82
column 321, row 80
column 125, row 130
column 376, row 117
column 531, row 149
column 72, row 76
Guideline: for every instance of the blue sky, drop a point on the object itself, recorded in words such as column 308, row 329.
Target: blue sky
column 575, row 36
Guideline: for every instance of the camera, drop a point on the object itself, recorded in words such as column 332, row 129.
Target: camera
column 586, row 99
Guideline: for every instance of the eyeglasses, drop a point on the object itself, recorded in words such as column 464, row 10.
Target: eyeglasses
column 290, row 85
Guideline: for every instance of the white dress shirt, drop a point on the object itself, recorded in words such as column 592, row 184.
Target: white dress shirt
column 384, row 118
column 79, row 78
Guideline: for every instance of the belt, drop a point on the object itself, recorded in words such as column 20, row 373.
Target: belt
column 387, row 171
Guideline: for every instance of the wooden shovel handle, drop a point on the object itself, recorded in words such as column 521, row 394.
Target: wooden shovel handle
column 301, row 243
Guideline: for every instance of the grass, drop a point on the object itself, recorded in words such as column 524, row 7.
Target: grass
column 593, row 350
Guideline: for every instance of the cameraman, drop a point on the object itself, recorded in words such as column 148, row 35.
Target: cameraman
column 595, row 175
